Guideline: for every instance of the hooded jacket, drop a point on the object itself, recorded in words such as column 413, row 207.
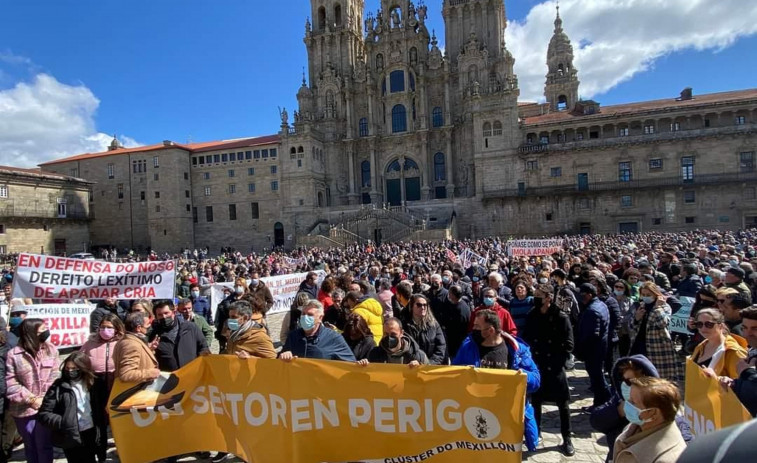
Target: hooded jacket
column 519, row 358
column 410, row 351
column 372, row 312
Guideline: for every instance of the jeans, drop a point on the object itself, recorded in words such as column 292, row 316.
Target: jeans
column 38, row 445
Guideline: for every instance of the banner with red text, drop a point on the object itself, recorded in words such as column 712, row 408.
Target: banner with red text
column 50, row 277
column 518, row 248
column 68, row 323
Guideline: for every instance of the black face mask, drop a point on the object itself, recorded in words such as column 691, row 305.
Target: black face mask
column 538, row 302
column 434, row 285
column 43, row 336
column 478, row 338
column 391, row 342
column 73, row 375
column 166, row 324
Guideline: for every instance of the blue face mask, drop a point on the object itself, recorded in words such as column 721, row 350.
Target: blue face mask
column 475, row 279
column 488, row 301
column 15, row 321
column 307, row 322
column 648, row 300
column 632, row 413
column 232, row 324
column 625, row 391
column 708, row 279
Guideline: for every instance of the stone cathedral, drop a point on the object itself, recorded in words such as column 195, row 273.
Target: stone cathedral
column 396, row 139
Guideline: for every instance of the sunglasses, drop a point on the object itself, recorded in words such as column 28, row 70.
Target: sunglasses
column 709, row 325
column 418, row 304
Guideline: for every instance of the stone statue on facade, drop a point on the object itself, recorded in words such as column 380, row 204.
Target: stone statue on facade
column 284, row 116
column 369, row 23
column 396, row 21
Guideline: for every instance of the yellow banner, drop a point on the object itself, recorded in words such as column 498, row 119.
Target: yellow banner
column 708, row 406
column 269, row 411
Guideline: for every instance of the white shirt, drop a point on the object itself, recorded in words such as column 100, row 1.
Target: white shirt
column 83, row 406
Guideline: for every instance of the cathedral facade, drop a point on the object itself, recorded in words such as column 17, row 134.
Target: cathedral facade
column 439, row 141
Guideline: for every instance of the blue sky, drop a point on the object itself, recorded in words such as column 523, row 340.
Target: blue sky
column 206, row 70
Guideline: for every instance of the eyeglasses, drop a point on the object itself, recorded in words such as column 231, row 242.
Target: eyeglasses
column 708, row 325
column 418, row 304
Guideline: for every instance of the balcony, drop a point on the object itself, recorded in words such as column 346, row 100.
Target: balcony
column 50, row 212
column 697, row 180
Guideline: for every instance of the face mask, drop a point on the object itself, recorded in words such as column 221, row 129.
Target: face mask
column 73, row 374
column 15, row 321
column 392, row 342
column 434, row 285
column 475, row 279
column 632, row 413
column 538, row 302
column 734, row 263
column 543, row 280
column 2, row 297
column 619, row 292
column 107, row 333
column 478, row 338
column 166, row 323
column 44, row 336
column 232, row 324
column 239, row 289
column 625, row 391
column 708, row 279
column 445, row 279
column 648, row 300
column 248, row 282
column 254, row 282
column 307, row 322
column 195, row 294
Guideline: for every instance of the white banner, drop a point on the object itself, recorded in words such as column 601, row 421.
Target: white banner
column 283, row 289
column 68, row 323
column 50, row 277
column 518, row 248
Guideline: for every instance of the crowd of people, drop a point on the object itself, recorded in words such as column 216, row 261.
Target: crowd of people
column 606, row 301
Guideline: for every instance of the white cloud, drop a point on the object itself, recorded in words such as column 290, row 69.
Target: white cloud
column 613, row 40
column 45, row 119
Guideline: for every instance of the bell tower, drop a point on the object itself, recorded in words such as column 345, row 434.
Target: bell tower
column 334, row 36
column 561, row 88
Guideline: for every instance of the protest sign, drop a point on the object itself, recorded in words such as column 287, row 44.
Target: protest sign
column 283, row 289
column 708, row 406
column 525, row 248
column 679, row 320
column 50, row 277
column 68, row 323
column 308, row 411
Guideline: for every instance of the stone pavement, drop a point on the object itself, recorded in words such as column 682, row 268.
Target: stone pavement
column 590, row 446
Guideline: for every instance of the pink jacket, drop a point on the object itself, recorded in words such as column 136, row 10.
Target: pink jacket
column 28, row 377
column 100, row 353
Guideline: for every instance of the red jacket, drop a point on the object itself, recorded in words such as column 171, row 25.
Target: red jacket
column 508, row 325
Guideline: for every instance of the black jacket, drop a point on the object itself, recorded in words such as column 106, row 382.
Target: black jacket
column 430, row 340
column 222, row 314
column 550, row 337
column 58, row 412
column 614, row 310
column 690, row 286
column 190, row 343
column 437, row 300
column 745, row 388
column 454, row 320
column 362, row 347
column 409, row 352
column 101, row 311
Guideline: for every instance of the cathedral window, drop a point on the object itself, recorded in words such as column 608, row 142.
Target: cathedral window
column 439, row 167
column 397, row 81
column 412, row 82
column 560, row 70
column 363, row 127
column 399, row 119
column 623, row 132
column 338, row 15
column 624, row 172
column 497, row 129
column 365, row 174
column 322, row 18
column 437, row 117
column 413, row 56
column 649, row 129
column 562, row 103
column 487, row 129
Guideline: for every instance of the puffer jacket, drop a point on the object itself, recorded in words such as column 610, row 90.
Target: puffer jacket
column 430, row 339
column 373, row 313
column 100, row 353
column 519, row 357
column 59, row 413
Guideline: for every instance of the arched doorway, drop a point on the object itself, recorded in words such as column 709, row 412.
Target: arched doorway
column 403, row 181
column 278, row 234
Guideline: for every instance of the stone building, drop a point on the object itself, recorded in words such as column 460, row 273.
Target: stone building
column 43, row 212
column 394, row 139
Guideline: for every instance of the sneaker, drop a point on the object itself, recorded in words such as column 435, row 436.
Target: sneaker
column 567, row 448
column 222, row 456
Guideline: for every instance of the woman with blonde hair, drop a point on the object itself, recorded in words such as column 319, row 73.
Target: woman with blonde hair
column 649, row 332
column 719, row 353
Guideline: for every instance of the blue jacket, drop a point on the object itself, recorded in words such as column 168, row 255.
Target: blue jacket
column 593, row 330
column 326, row 344
column 519, row 357
column 201, row 307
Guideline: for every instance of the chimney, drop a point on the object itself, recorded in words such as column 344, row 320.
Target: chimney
column 687, row 94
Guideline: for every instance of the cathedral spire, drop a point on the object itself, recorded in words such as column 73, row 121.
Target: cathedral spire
column 558, row 20
column 561, row 89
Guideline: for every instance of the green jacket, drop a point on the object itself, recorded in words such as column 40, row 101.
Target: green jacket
column 206, row 329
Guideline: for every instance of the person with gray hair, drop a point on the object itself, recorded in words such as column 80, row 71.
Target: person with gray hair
column 438, row 297
column 313, row 340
